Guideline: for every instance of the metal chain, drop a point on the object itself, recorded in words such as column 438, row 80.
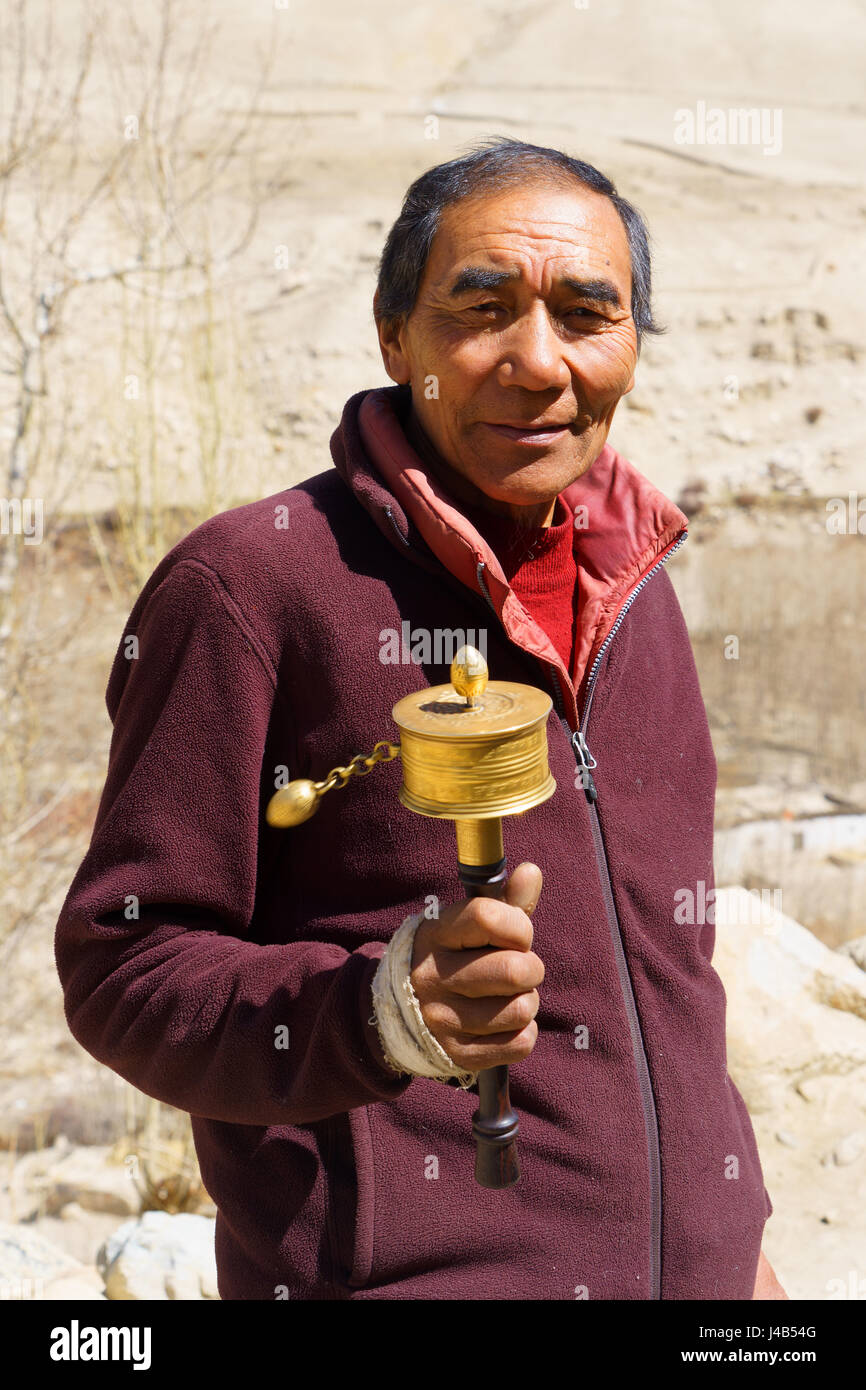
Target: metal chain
column 383, row 752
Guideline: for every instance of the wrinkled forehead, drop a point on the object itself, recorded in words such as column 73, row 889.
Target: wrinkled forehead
column 538, row 232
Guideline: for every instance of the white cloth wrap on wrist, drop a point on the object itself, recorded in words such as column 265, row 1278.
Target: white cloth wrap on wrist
column 407, row 1042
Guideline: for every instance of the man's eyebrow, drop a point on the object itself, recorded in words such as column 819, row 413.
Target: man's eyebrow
column 476, row 277
column 602, row 291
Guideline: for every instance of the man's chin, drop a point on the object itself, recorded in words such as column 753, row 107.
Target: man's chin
column 562, row 461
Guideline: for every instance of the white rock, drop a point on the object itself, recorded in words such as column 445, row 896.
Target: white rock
column 75, row 1287
column 89, row 1177
column 160, row 1256
column 71, row 1212
column 65, row 1181
column 28, row 1262
column 855, row 950
column 796, row 1010
column 816, row 863
column 849, row 1149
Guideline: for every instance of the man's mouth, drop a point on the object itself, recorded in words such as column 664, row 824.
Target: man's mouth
column 531, row 434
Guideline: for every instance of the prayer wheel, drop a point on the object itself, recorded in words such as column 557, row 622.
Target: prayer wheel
column 472, row 751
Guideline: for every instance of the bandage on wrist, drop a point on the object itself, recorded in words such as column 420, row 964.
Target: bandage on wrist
column 406, row 1041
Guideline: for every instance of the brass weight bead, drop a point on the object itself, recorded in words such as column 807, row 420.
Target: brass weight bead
column 292, row 805
column 295, row 803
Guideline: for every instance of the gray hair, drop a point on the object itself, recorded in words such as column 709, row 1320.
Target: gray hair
column 497, row 163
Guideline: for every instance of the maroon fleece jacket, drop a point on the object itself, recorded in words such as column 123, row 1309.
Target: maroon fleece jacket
column 225, row 967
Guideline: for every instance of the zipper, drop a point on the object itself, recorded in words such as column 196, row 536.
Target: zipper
column 586, row 762
column 396, row 529
column 594, row 669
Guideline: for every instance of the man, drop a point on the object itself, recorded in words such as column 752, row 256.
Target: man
column 253, row 976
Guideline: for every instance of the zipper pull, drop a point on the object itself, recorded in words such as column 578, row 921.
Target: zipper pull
column 585, row 761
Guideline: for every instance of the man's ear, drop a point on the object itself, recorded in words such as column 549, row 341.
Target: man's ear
column 391, row 332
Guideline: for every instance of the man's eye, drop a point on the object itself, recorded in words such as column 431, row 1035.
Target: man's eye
column 492, row 307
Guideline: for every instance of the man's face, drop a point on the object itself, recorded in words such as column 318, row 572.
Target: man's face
column 523, row 317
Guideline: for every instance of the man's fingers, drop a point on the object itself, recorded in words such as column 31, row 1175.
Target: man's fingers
column 482, row 922
column 486, row 973
column 495, row 1050
column 482, row 1018
column 523, row 888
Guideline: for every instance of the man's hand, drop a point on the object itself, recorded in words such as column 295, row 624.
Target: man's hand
column 766, row 1283
column 476, row 977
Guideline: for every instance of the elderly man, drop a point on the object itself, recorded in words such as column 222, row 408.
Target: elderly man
column 252, row 976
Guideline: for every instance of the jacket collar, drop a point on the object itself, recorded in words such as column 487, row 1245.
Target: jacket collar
column 623, row 526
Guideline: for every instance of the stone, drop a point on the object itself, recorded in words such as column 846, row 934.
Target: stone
column 796, row 1010
column 855, row 950
column 66, row 1181
column 160, row 1256
column 85, row 1284
column 849, row 1149
column 88, row 1178
column 29, row 1262
column 71, row 1212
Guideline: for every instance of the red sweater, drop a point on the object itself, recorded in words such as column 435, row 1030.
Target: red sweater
column 540, row 565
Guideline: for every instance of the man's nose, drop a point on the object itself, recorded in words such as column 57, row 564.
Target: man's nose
column 532, row 353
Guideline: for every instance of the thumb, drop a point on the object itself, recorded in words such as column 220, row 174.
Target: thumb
column 523, row 888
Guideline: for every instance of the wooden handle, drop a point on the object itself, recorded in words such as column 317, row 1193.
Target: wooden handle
column 494, row 1123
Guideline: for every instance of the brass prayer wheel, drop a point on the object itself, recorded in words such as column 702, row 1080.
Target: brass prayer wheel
column 474, row 760
column 473, row 751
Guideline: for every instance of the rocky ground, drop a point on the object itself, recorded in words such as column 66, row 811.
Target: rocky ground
column 796, row 1050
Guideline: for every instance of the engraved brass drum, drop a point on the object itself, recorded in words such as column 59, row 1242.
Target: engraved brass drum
column 474, row 758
